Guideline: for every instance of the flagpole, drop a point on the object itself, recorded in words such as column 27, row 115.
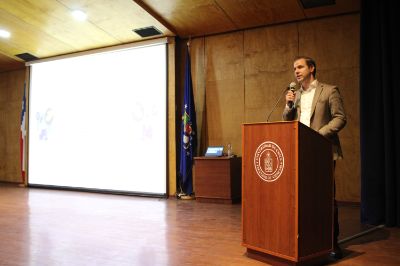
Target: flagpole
column 23, row 138
column 188, row 133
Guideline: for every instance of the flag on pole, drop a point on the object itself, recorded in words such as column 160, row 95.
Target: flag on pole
column 188, row 131
column 22, row 140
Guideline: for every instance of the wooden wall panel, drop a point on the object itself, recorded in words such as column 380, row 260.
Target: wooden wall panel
column 11, row 89
column 268, row 70
column 8, row 64
column 199, row 91
column 3, row 156
column 224, row 76
column 171, row 142
column 334, row 44
column 244, row 73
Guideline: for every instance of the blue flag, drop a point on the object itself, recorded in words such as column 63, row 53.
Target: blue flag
column 188, row 131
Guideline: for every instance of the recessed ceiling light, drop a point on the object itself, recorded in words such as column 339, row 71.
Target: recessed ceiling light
column 79, row 15
column 4, row 34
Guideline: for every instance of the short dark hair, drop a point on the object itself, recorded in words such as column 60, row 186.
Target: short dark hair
column 309, row 61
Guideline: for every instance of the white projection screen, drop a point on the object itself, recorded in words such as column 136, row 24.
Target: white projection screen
column 99, row 121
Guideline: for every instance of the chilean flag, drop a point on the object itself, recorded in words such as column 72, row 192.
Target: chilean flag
column 22, row 140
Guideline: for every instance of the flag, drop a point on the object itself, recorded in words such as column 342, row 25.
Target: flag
column 22, row 140
column 188, row 131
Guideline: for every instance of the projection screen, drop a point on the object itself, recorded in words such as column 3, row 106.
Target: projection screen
column 99, row 121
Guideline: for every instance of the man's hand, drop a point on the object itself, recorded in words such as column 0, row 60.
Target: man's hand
column 290, row 95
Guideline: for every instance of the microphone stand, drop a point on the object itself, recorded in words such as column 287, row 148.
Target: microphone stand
column 273, row 108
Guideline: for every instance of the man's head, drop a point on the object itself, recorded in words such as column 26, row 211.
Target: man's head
column 305, row 69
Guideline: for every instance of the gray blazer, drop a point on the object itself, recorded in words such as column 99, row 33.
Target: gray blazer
column 327, row 114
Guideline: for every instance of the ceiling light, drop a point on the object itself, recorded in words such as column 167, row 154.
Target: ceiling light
column 79, row 15
column 4, row 34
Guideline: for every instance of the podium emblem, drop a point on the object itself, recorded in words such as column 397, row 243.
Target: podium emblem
column 269, row 161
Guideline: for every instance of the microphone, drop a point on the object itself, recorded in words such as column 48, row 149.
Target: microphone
column 292, row 88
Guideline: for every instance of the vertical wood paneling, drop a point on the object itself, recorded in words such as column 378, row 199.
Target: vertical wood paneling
column 225, row 89
column 245, row 72
column 199, row 92
column 3, row 162
column 269, row 53
column 11, row 89
column 334, row 44
column 8, row 64
column 171, row 119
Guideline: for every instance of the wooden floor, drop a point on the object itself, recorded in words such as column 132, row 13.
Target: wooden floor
column 48, row 227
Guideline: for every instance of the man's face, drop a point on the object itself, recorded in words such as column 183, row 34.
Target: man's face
column 301, row 71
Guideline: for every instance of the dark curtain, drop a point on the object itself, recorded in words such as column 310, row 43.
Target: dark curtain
column 380, row 115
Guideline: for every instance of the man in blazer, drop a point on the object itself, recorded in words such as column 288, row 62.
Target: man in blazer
column 319, row 106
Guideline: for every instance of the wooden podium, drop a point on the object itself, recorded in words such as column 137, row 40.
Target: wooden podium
column 287, row 193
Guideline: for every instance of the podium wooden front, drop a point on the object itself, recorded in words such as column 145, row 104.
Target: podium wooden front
column 287, row 193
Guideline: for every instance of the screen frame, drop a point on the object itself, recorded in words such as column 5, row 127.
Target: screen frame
column 97, row 51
